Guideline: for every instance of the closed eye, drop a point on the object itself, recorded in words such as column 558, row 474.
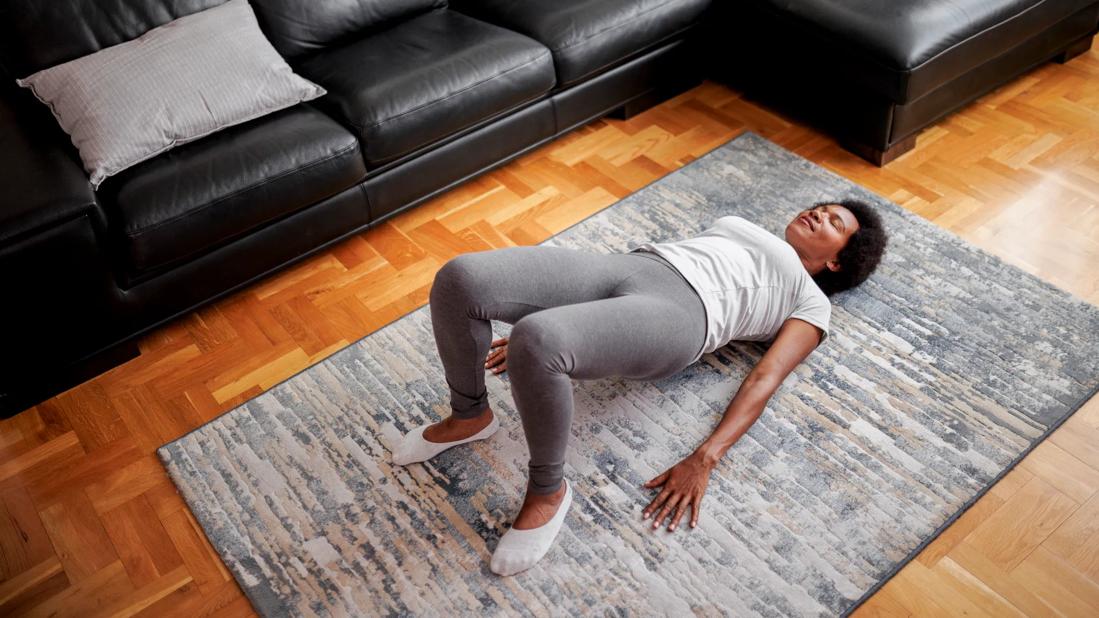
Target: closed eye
column 837, row 222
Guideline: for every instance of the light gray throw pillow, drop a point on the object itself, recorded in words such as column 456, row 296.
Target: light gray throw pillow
column 174, row 84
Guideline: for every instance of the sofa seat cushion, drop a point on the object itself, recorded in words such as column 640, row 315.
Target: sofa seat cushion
column 588, row 36
column 427, row 78
column 907, row 48
column 206, row 193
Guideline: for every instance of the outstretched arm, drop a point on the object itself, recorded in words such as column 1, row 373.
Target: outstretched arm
column 795, row 340
column 685, row 483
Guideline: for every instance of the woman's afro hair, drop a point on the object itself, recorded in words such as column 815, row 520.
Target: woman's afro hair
column 862, row 253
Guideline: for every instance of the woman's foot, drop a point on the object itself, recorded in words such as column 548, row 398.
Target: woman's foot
column 453, row 428
column 521, row 548
column 538, row 508
column 414, row 447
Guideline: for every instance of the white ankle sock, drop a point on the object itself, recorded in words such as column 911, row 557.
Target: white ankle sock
column 518, row 550
column 414, row 448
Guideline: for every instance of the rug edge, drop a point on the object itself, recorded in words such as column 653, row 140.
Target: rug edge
column 260, row 605
column 897, row 568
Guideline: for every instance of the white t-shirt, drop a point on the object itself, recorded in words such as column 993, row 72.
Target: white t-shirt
column 750, row 281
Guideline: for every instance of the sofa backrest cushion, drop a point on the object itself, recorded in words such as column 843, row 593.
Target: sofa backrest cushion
column 174, row 84
column 39, row 34
column 297, row 27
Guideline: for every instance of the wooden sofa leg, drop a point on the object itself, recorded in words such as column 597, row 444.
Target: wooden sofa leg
column 636, row 105
column 881, row 157
column 1079, row 47
column 653, row 97
column 897, row 149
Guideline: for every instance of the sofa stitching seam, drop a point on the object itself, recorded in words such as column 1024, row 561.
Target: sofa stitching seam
column 366, row 202
column 447, row 139
column 973, row 36
column 456, row 93
column 609, row 28
column 634, row 55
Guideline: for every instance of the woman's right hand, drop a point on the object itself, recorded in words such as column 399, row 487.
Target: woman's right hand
column 498, row 356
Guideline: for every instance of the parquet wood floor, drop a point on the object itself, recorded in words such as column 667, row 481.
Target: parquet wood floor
column 92, row 526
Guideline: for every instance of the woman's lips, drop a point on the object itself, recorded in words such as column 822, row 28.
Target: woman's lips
column 805, row 220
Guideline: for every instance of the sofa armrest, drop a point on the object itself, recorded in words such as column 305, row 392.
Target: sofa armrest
column 42, row 182
column 61, row 300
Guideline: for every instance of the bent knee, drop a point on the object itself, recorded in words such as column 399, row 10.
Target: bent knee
column 538, row 341
column 459, row 275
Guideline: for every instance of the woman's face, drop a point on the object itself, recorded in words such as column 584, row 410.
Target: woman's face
column 818, row 234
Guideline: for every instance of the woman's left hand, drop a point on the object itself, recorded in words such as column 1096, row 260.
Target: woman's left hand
column 684, row 485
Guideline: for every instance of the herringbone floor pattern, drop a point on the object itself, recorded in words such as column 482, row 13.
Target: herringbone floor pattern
column 90, row 524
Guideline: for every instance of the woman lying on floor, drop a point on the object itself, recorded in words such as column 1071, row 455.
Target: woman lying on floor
column 644, row 315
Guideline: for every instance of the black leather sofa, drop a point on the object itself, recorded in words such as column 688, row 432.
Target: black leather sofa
column 876, row 72
column 422, row 95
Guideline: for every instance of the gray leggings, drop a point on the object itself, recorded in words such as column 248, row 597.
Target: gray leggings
column 576, row 315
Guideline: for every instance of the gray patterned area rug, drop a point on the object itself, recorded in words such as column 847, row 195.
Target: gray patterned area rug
column 942, row 371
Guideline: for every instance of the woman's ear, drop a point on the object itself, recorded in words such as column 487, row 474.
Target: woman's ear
column 833, row 265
